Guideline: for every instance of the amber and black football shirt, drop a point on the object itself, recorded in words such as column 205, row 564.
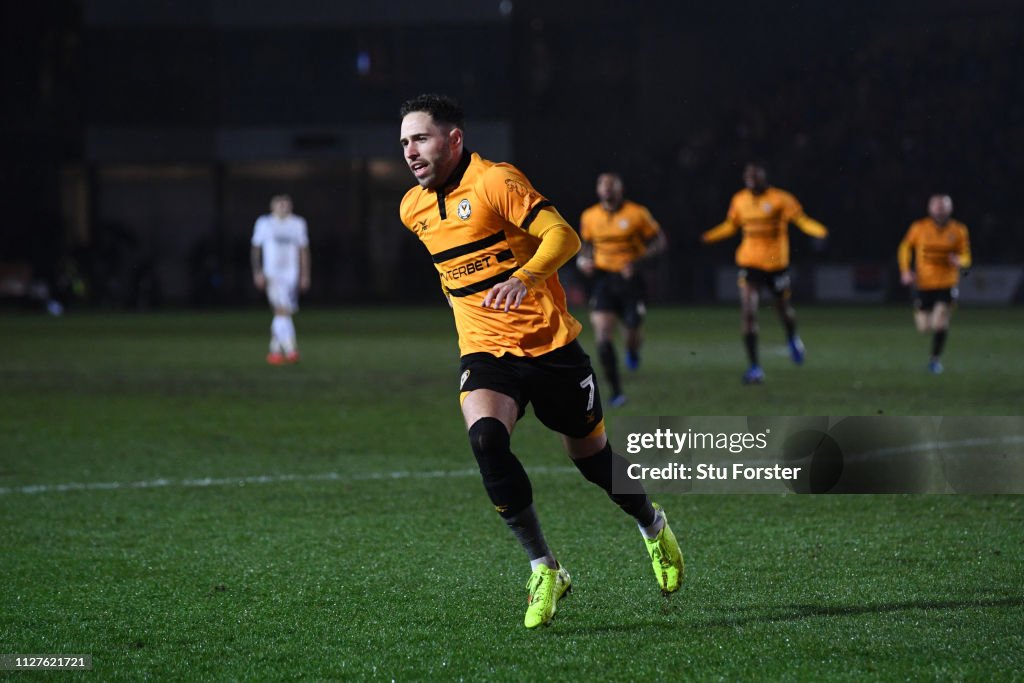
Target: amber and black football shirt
column 932, row 246
column 475, row 229
column 619, row 237
column 764, row 219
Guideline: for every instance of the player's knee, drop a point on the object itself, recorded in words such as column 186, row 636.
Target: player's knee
column 504, row 478
column 489, row 439
column 604, row 326
column 632, row 322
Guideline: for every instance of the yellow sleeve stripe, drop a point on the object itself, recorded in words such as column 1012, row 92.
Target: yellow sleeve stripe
column 558, row 244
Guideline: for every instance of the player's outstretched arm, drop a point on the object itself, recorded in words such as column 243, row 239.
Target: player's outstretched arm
column 722, row 231
column 810, row 226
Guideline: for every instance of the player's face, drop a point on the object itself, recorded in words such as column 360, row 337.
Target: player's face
column 430, row 149
column 940, row 208
column 609, row 189
column 754, row 177
column 281, row 207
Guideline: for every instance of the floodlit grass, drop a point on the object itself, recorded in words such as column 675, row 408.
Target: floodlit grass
column 324, row 521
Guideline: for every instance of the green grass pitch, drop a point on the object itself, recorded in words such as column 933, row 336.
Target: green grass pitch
column 179, row 510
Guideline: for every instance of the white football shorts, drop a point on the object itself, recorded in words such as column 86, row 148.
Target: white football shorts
column 283, row 295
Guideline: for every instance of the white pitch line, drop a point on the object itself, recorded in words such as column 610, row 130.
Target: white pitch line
column 257, row 479
column 926, row 447
column 929, row 446
column 436, row 474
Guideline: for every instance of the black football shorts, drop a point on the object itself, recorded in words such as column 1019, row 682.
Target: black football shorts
column 776, row 281
column 925, row 299
column 625, row 298
column 560, row 385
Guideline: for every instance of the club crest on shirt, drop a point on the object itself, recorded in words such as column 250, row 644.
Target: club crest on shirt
column 464, row 209
column 766, row 207
column 623, row 224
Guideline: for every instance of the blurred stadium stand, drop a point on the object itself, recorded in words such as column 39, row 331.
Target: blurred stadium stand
column 143, row 139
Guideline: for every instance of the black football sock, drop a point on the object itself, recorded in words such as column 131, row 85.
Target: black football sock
column 750, row 343
column 610, row 364
column 606, row 467
column 526, row 527
column 507, row 484
column 938, row 342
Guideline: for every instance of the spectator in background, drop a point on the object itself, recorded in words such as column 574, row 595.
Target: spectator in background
column 618, row 235
column 280, row 267
column 940, row 248
column 763, row 213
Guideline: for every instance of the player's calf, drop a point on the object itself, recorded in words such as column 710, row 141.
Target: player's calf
column 504, row 478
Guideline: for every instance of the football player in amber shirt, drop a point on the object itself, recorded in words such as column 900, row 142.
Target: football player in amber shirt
column 940, row 247
column 497, row 245
column 618, row 236
column 764, row 213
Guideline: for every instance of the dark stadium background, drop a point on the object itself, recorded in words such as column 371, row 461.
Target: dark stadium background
column 141, row 139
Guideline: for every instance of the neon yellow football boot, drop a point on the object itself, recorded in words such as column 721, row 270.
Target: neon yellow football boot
column 666, row 558
column 544, row 589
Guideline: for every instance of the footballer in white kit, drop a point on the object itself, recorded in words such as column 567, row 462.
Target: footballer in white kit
column 280, row 266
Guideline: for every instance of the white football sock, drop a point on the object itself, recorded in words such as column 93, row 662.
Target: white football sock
column 548, row 560
column 651, row 532
column 275, row 341
column 284, row 332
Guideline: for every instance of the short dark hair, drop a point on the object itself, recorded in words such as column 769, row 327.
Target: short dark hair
column 442, row 108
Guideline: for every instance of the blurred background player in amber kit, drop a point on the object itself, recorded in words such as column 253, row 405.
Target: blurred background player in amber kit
column 280, row 267
column 497, row 245
column 939, row 247
column 618, row 236
column 764, row 213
